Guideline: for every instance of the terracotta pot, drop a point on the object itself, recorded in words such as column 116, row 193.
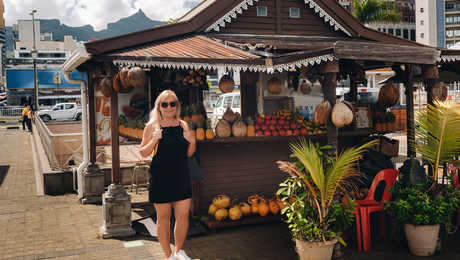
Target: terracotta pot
column 315, row 250
column 422, row 239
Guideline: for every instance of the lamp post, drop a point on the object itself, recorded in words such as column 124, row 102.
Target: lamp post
column 34, row 59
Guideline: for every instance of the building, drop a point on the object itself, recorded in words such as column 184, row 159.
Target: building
column 2, row 45
column 431, row 22
column 452, row 23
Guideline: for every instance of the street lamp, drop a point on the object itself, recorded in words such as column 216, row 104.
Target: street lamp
column 34, row 59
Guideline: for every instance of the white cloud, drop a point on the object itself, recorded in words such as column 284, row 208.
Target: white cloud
column 98, row 13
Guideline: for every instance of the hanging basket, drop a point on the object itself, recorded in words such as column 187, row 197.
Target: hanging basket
column 388, row 95
column 105, row 86
column 137, row 77
column 274, row 86
column 124, row 77
column 226, row 84
column 440, row 91
column 305, row 87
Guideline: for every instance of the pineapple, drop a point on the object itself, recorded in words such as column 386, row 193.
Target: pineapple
column 209, row 132
column 187, row 114
column 251, row 130
column 200, row 132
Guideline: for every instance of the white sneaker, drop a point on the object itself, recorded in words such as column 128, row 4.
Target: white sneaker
column 172, row 257
column 181, row 255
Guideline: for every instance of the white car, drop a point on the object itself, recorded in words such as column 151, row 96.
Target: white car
column 61, row 111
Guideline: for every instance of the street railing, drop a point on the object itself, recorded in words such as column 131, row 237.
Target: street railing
column 11, row 111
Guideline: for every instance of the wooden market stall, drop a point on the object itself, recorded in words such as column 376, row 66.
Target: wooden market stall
column 262, row 40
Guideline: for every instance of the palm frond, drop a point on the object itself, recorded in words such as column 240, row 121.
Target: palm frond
column 343, row 169
column 307, row 154
column 295, row 173
column 438, row 128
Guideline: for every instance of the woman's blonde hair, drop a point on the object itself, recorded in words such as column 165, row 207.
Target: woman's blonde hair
column 155, row 114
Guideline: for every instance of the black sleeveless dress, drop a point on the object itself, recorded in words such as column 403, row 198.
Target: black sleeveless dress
column 169, row 173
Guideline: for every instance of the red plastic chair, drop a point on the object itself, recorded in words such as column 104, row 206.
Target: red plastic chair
column 358, row 227
column 456, row 184
column 370, row 205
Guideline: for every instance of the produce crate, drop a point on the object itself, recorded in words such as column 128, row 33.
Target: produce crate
column 214, row 225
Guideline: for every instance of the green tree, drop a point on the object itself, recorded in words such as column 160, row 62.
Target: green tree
column 376, row 11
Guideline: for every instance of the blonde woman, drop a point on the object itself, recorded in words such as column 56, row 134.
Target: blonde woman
column 170, row 185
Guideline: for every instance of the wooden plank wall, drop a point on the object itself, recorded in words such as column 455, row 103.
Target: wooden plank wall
column 309, row 23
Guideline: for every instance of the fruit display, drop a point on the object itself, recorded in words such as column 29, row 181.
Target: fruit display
column 285, row 123
column 221, row 208
column 195, row 78
column 239, row 128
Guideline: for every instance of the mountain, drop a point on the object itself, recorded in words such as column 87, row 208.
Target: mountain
column 136, row 22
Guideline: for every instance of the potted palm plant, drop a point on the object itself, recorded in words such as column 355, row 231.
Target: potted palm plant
column 313, row 211
column 423, row 205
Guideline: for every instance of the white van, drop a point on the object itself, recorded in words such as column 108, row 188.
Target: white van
column 232, row 100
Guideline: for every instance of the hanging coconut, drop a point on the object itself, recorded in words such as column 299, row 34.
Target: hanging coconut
column 322, row 113
column 305, row 87
column 239, row 128
column 137, row 77
column 388, row 95
column 229, row 115
column 274, row 86
column 124, row 77
column 105, row 86
column 226, row 84
column 342, row 114
column 116, row 84
column 223, row 128
column 440, row 91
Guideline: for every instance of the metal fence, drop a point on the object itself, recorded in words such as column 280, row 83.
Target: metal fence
column 15, row 111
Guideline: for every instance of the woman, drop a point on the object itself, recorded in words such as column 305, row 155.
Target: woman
column 170, row 185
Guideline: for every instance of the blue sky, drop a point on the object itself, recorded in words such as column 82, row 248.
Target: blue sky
column 97, row 13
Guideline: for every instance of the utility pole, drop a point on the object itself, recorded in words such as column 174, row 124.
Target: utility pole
column 34, row 59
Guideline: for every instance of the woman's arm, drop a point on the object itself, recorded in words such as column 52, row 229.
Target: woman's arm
column 190, row 137
column 148, row 141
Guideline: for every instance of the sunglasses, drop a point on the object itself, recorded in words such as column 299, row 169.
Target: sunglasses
column 171, row 104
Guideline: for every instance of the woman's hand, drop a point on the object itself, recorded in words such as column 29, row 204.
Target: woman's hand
column 157, row 134
column 189, row 136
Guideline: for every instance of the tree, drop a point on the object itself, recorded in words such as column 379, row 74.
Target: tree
column 376, row 11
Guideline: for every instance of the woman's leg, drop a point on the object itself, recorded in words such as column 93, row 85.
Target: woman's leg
column 181, row 213
column 163, row 226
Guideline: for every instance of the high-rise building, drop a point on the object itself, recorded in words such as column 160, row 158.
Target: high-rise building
column 431, row 22
column 2, row 45
column 452, row 23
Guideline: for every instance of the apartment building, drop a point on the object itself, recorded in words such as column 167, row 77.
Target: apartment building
column 452, row 22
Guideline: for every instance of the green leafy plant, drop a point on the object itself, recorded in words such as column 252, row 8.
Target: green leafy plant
column 413, row 205
column 437, row 132
column 313, row 210
column 375, row 11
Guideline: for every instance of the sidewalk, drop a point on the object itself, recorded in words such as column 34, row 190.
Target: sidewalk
column 59, row 227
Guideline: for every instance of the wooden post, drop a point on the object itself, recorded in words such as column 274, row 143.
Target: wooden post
column 248, row 81
column 116, row 176
column 430, row 75
column 92, row 82
column 329, row 85
column 409, row 82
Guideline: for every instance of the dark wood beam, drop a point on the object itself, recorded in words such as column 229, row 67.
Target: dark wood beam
column 279, row 16
column 248, row 81
column 409, row 84
column 92, row 83
column 116, row 176
column 329, row 85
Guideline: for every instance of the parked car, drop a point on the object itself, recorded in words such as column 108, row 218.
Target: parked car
column 61, row 111
column 232, row 100
column 3, row 103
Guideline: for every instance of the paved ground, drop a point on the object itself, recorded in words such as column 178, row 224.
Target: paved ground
column 58, row 227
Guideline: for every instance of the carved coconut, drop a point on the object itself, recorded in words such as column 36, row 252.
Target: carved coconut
column 440, row 91
column 226, row 84
column 223, row 129
column 342, row 114
column 124, row 77
column 239, row 128
column 388, row 95
column 322, row 112
column 274, row 86
column 137, row 77
column 305, row 87
column 105, row 86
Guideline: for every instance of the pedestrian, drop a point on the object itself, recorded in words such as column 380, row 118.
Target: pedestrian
column 171, row 142
column 30, row 117
column 25, row 118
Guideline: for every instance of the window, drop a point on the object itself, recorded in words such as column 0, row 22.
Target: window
column 228, row 101
column 236, row 102
column 412, row 35
column 391, row 31
column 294, row 12
column 450, row 33
column 398, row 32
column 262, row 11
column 60, row 107
column 69, row 106
column 422, row 35
column 422, row 22
column 406, row 34
column 421, row 10
column 457, row 33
